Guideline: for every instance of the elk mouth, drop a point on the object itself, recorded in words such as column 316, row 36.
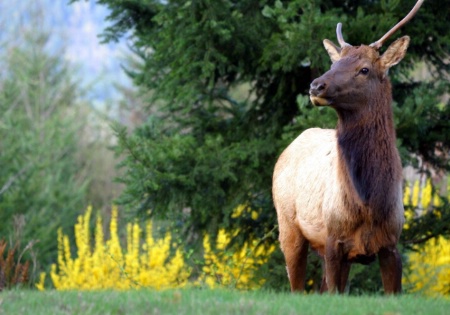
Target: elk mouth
column 319, row 101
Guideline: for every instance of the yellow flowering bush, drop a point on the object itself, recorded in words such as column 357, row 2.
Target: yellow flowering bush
column 429, row 264
column 430, row 268
column 234, row 267
column 106, row 266
column 101, row 264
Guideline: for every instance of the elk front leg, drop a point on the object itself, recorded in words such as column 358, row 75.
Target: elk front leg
column 391, row 270
column 295, row 250
column 336, row 267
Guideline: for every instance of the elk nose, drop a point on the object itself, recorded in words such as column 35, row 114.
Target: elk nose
column 317, row 87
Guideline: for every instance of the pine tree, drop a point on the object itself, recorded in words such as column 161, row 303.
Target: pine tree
column 41, row 181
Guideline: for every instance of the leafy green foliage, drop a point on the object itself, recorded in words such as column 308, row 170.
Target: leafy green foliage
column 423, row 122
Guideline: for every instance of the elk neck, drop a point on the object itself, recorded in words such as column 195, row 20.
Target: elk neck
column 368, row 156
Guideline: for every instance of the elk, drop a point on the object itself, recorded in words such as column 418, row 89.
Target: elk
column 339, row 192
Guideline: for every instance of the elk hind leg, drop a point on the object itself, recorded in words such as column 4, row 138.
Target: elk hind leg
column 295, row 250
column 391, row 270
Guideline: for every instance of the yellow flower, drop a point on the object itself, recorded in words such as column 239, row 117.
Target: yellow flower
column 236, row 266
column 430, row 268
column 407, row 195
column 430, row 264
column 107, row 266
column 40, row 284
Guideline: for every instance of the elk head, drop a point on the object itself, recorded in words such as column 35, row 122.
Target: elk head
column 357, row 72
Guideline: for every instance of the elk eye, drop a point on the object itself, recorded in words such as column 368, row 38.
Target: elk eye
column 364, row 71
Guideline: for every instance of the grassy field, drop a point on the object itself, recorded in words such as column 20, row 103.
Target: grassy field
column 195, row 301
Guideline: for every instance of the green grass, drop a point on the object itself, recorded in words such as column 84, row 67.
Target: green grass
column 196, row 301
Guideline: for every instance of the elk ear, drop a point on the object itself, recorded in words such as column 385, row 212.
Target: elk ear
column 333, row 50
column 395, row 53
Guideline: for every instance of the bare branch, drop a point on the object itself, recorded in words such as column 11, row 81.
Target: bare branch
column 12, row 179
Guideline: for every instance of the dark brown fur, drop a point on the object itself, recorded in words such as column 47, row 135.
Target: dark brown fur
column 373, row 166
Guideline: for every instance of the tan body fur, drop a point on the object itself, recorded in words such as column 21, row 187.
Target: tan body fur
column 312, row 194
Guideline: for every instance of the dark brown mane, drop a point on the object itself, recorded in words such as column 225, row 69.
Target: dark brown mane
column 368, row 150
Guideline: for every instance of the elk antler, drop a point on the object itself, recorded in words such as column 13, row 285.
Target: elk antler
column 379, row 43
column 339, row 36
